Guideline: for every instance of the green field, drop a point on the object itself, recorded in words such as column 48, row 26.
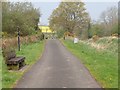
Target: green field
column 32, row 52
column 102, row 64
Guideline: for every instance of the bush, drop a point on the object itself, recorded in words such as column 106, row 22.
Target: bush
column 95, row 38
column 114, row 29
column 8, row 53
column 97, row 29
column 41, row 36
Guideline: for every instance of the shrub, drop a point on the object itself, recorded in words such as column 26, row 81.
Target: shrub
column 41, row 36
column 95, row 38
column 8, row 53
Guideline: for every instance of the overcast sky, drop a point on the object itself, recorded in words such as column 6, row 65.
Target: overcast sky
column 46, row 9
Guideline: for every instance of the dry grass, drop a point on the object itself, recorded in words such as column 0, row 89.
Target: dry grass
column 105, row 43
column 13, row 42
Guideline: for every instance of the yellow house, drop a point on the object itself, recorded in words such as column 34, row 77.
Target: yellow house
column 45, row 29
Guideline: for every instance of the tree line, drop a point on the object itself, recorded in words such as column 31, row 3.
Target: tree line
column 19, row 15
column 72, row 17
column 108, row 23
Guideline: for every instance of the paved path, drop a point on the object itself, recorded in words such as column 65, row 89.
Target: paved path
column 57, row 68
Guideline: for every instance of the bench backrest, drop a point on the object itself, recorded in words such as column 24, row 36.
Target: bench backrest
column 9, row 55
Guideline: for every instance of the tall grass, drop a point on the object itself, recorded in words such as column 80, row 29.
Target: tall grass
column 13, row 42
column 109, row 44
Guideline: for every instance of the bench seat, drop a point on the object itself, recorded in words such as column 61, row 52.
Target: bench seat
column 16, row 60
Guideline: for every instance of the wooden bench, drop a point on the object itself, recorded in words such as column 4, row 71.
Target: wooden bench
column 13, row 62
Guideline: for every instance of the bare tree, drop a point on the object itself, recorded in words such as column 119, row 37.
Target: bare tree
column 109, row 19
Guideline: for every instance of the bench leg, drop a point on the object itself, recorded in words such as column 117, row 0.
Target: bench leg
column 9, row 67
column 22, row 64
column 13, row 67
column 16, row 67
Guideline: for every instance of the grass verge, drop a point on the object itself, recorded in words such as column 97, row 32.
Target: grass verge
column 0, row 69
column 103, row 65
column 32, row 52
